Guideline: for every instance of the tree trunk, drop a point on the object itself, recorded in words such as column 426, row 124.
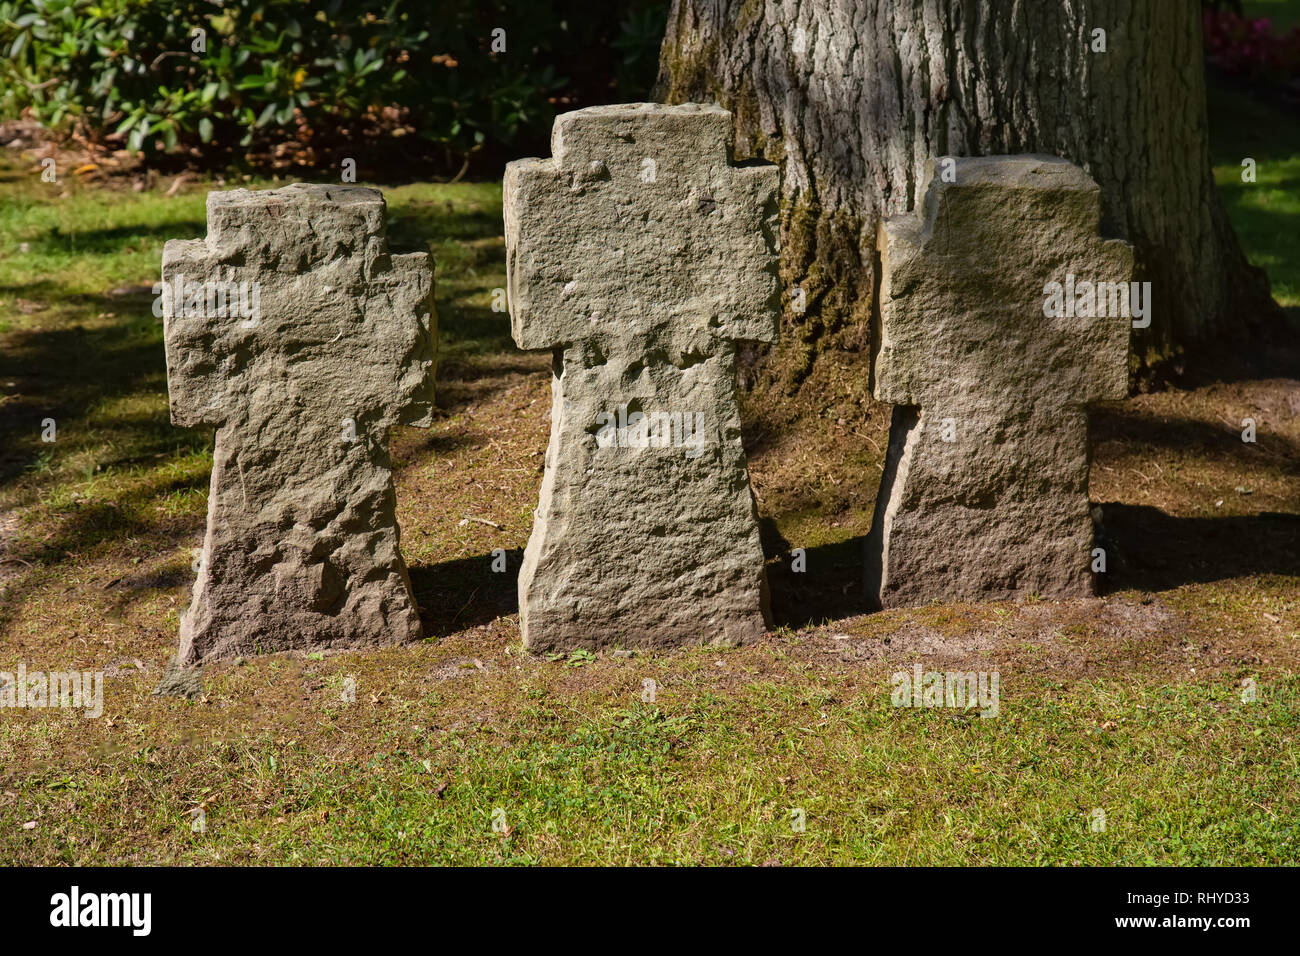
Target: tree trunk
column 852, row 96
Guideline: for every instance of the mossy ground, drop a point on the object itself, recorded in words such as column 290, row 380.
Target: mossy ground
column 1131, row 703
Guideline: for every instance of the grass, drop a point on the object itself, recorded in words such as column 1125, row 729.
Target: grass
column 1263, row 212
column 463, row 749
column 714, row 772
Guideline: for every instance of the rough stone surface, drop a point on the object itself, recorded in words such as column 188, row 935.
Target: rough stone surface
column 180, row 681
column 640, row 255
column 967, row 352
column 301, row 547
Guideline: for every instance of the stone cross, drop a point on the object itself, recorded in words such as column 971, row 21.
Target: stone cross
column 640, row 255
column 985, row 489
column 294, row 331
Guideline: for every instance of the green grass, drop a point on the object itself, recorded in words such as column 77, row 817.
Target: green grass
column 1141, row 720
column 93, row 361
column 1265, row 213
column 1186, row 774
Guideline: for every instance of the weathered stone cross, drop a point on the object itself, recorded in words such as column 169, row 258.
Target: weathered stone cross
column 641, row 255
column 985, row 490
column 301, row 547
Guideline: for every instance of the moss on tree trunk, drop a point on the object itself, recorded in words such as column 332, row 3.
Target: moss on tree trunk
column 852, row 96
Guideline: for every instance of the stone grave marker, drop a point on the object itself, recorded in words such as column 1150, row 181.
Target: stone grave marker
column 985, row 489
column 640, row 255
column 294, row 331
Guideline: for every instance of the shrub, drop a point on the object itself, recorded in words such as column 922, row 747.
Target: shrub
column 194, row 75
column 1249, row 50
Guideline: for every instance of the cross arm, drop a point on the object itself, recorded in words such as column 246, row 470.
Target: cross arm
column 201, row 351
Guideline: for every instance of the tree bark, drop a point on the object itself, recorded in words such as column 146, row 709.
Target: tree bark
column 852, row 96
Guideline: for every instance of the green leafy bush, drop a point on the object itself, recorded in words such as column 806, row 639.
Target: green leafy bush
column 452, row 79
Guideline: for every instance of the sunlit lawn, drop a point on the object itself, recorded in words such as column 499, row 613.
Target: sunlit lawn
column 1131, row 705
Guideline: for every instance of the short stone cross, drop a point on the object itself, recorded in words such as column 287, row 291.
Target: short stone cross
column 293, row 330
column 985, row 490
column 640, row 255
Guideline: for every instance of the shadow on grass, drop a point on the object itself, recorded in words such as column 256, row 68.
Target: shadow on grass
column 444, row 446
column 67, row 366
column 466, row 592
column 1147, row 549
column 90, row 524
column 64, row 371
column 416, row 224
column 87, row 242
column 466, row 330
column 829, row 587
column 1242, row 125
column 85, row 525
column 1153, row 551
column 465, row 326
column 10, row 173
column 1133, row 429
column 55, row 295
